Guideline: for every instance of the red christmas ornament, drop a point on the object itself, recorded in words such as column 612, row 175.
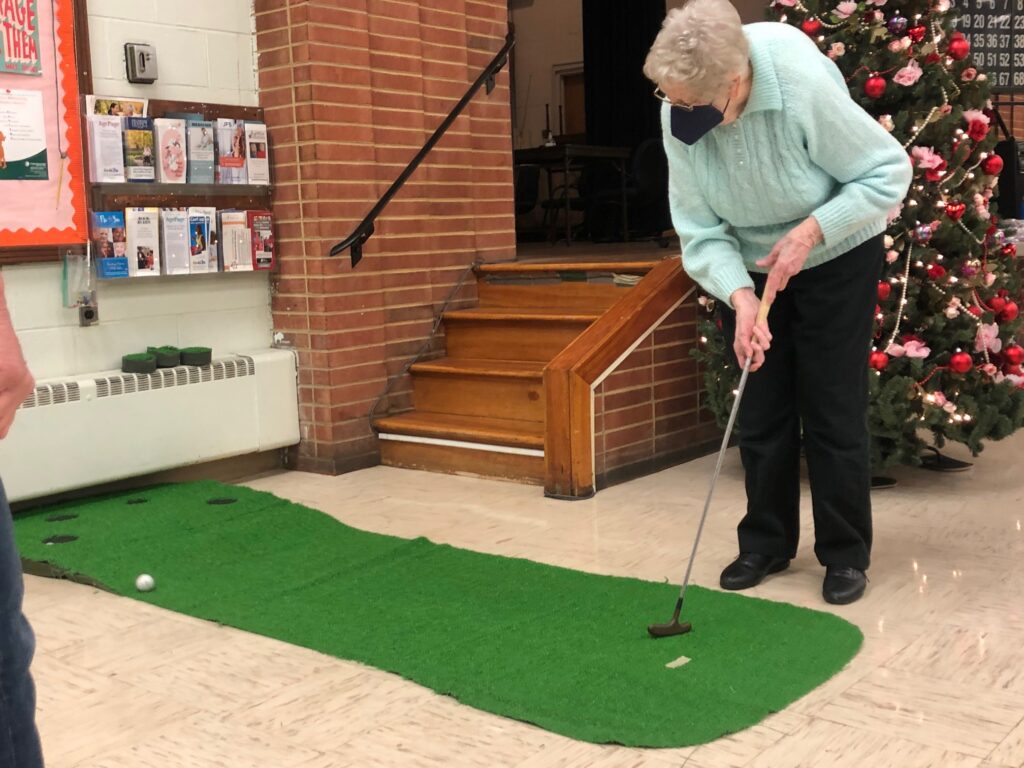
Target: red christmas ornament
column 1002, row 292
column 997, row 304
column 936, row 173
column 1014, row 354
column 811, row 26
column 1010, row 312
column 884, row 290
column 878, row 360
column 955, row 210
column 917, row 33
column 874, row 86
column 935, row 271
column 959, row 48
column 1009, row 250
column 977, row 130
column 932, row 58
column 961, row 362
column 992, row 165
column 976, row 311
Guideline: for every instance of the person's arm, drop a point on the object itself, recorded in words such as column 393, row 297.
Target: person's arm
column 711, row 255
column 872, row 169
column 16, row 382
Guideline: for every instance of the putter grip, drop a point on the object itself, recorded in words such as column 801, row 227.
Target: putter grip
column 762, row 312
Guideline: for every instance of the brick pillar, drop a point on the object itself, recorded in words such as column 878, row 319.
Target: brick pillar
column 351, row 94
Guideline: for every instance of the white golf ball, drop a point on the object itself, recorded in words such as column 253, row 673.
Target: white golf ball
column 145, row 583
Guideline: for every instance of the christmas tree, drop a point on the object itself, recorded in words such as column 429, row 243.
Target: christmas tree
column 946, row 359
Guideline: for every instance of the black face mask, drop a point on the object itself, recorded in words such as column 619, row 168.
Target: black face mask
column 689, row 126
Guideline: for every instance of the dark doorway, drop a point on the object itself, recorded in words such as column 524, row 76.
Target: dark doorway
column 616, row 37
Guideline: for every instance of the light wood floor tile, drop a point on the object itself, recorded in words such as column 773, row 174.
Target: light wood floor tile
column 328, row 709
column 459, row 737
column 821, row 744
column 968, row 656
column 114, row 717
column 579, row 755
column 1011, row 750
column 971, row 720
column 238, row 672
column 208, row 743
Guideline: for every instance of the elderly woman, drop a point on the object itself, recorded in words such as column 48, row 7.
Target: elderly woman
column 781, row 184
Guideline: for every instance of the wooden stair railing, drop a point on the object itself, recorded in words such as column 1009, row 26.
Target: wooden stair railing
column 572, row 376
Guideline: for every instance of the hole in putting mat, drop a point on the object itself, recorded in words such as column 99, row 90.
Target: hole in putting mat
column 61, row 518
column 61, row 539
column 137, row 501
column 220, row 502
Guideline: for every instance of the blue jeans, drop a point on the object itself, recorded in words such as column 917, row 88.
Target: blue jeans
column 19, row 740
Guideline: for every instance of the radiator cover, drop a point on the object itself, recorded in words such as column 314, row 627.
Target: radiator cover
column 90, row 429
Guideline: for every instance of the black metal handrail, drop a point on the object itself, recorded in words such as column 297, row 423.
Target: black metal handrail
column 364, row 231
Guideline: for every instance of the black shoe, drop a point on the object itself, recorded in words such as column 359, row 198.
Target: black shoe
column 749, row 569
column 843, row 585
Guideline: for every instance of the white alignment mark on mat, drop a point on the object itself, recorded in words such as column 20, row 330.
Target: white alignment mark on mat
column 678, row 662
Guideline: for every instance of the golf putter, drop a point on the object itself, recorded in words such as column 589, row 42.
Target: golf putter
column 673, row 627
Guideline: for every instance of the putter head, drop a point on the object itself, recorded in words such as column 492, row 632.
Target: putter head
column 671, row 629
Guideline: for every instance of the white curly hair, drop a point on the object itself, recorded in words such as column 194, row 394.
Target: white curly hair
column 701, row 46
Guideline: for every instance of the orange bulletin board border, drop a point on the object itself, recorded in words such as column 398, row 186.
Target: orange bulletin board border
column 74, row 229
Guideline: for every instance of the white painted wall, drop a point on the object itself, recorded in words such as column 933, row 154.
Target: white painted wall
column 206, row 53
column 205, row 48
column 228, row 312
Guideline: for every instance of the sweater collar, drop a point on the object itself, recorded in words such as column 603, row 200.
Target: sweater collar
column 765, row 93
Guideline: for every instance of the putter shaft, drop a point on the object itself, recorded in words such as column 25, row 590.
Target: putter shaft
column 673, row 627
column 714, row 477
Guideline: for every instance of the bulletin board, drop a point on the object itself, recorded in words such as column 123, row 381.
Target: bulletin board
column 42, row 184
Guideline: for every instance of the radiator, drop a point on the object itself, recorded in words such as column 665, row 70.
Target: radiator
column 85, row 430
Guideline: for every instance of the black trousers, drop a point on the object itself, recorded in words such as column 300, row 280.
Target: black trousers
column 815, row 376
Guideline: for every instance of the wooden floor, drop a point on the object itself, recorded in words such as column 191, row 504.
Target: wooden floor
column 938, row 684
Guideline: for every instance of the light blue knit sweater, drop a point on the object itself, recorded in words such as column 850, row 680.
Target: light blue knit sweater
column 801, row 147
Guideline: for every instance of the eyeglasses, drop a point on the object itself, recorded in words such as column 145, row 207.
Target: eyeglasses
column 660, row 95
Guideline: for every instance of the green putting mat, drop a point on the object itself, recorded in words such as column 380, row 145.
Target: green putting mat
column 565, row 650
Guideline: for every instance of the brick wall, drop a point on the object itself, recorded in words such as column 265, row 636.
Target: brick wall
column 351, row 92
column 648, row 414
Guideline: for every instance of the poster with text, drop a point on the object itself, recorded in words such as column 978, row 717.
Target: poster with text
column 42, row 185
column 19, row 38
column 22, row 136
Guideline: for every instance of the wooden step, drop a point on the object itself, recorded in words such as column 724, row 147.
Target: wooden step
column 499, row 448
column 568, row 295
column 509, row 433
column 606, row 266
column 536, row 334
column 510, row 369
column 462, row 461
column 483, row 388
column 525, row 314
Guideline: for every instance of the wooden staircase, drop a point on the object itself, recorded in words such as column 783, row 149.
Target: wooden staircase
column 481, row 409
